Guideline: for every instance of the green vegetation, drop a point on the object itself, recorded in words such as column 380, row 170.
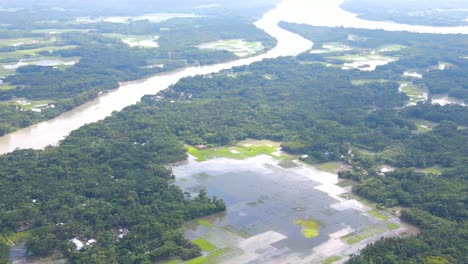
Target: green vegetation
column 392, row 226
column 7, row 87
column 103, row 60
column 205, row 223
column 213, row 258
column 377, row 215
column 434, row 170
column 328, row 166
column 422, row 128
column 98, row 181
column 332, row 259
column 204, row 245
column 4, row 249
column 310, row 227
column 415, row 94
column 29, row 105
column 239, row 47
column 363, row 234
column 28, row 53
column 238, row 152
column 363, row 82
column 118, row 187
column 437, row 202
column 206, row 154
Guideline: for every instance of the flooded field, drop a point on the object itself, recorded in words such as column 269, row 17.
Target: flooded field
column 445, row 100
column 364, row 62
column 331, row 47
column 41, row 62
column 414, row 93
column 137, row 40
column 239, row 47
column 413, row 74
column 279, row 211
column 154, row 18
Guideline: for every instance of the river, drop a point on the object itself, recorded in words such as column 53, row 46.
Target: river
column 318, row 13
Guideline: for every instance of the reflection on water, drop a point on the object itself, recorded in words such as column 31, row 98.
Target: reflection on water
column 288, row 211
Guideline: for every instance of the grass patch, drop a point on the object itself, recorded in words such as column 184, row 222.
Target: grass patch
column 332, row 259
column 422, row 128
column 6, row 72
column 21, row 54
column 7, row 87
column 238, row 152
column 366, row 233
column 287, row 164
column 239, row 47
column 363, row 82
column 361, row 57
column 205, row 223
column 252, row 151
column 414, row 93
column 328, row 167
column 198, row 260
column 23, row 41
column 174, row 261
column 213, row 258
column 21, row 236
column 310, row 227
column 346, row 183
column 136, row 40
column 377, row 215
column 207, row 154
column 32, row 104
column 432, row 170
column 58, row 31
column 392, row 226
column 204, row 245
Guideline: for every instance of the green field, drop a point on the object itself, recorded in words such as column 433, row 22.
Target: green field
column 239, row 47
column 58, row 31
column 6, row 72
column 7, row 87
column 204, row 223
column 29, row 53
column 331, row 259
column 422, row 128
column 332, row 167
column 20, row 237
column 377, row 215
column 432, row 170
column 238, row 152
column 213, row 258
column 367, row 232
column 363, row 82
column 19, row 41
column 392, row 226
column 204, row 245
column 395, row 47
column 362, row 57
column 33, row 104
column 414, row 93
